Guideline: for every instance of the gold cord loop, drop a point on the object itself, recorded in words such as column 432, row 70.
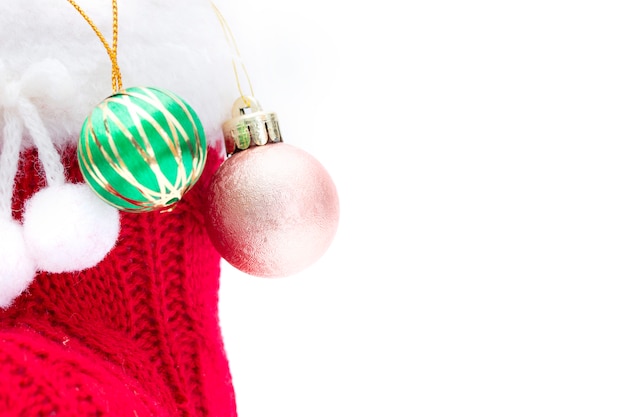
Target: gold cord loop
column 116, row 75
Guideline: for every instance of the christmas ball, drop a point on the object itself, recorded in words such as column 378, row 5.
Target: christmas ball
column 141, row 149
column 273, row 210
column 68, row 228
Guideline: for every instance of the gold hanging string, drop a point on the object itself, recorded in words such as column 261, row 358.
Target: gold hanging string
column 231, row 41
column 116, row 75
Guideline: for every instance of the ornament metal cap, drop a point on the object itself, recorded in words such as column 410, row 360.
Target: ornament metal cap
column 250, row 126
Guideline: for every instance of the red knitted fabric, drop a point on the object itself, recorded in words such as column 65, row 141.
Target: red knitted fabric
column 138, row 335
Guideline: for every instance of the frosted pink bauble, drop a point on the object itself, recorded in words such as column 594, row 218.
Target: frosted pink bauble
column 273, row 210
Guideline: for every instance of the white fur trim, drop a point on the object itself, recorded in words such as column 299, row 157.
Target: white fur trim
column 179, row 47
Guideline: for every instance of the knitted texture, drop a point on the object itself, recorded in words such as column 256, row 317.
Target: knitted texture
column 137, row 335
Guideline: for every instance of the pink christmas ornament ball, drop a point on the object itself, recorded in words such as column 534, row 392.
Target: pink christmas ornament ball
column 273, row 210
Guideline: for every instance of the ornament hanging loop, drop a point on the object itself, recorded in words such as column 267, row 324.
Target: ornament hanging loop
column 236, row 60
column 116, row 74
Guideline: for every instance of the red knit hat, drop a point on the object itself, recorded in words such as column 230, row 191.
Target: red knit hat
column 138, row 335
column 135, row 330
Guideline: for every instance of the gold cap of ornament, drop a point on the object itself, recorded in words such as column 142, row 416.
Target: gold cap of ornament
column 250, row 126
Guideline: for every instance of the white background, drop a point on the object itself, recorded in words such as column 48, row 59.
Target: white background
column 479, row 151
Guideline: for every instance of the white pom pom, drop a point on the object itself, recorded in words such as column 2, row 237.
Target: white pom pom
column 68, row 228
column 17, row 269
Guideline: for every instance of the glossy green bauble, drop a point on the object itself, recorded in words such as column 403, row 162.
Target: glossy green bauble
column 141, row 149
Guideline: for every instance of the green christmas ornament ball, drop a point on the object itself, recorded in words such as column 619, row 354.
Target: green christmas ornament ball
column 142, row 149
